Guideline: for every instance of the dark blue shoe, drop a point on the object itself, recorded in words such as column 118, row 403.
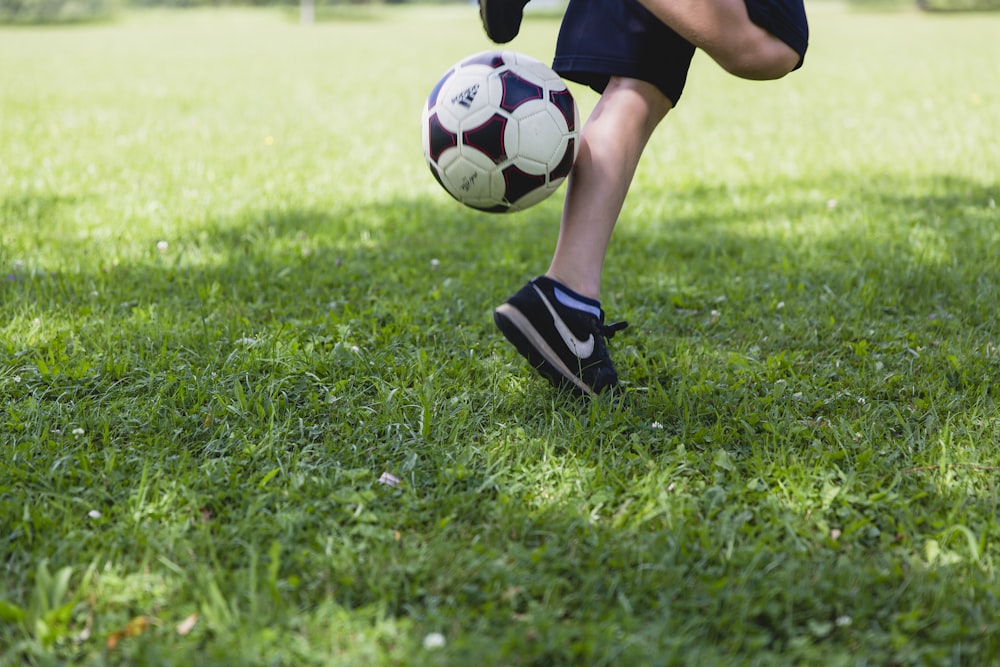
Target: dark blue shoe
column 501, row 18
column 563, row 343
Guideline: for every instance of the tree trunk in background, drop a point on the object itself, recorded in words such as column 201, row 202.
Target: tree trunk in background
column 307, row 12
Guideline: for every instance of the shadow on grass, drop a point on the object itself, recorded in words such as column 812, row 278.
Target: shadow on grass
column 421, row 278
column 255, row 380
column 899, row 231
column 896, row 264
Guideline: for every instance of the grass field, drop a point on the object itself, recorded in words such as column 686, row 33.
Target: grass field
column 232, row 297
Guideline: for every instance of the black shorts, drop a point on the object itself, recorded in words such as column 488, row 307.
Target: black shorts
column 604, row 38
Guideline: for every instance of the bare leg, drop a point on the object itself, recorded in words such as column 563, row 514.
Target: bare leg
column 723, row 30
column 612, row 142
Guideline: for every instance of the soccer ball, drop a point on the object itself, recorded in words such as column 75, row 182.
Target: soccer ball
column 500, row 131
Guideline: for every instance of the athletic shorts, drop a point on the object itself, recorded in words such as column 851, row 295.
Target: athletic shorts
column 599, row 39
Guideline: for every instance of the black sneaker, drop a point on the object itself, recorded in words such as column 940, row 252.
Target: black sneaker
column 564, row 344
column 501, row 18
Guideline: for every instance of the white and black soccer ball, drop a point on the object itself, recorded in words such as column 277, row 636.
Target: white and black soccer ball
column 500, row 131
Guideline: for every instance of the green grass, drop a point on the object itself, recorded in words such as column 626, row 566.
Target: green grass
column 232, row 297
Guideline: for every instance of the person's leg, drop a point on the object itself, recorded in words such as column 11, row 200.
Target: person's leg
column 752, row 39
column 556, row 321
column 724, row 30
column 639, row 66
column 611, row 143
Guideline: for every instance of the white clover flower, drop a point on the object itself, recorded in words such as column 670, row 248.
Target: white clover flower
column 389, row 479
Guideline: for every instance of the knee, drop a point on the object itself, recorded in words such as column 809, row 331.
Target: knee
column 771, row 59
column 637, row 100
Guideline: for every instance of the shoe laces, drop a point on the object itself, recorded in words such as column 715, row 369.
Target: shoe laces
column 609, row 330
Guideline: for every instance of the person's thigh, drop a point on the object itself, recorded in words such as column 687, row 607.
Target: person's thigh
column 754, row 39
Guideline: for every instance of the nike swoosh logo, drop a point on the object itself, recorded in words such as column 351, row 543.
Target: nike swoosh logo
column 581, row 348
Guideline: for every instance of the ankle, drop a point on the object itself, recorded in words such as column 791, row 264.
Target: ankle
column 583, row 287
